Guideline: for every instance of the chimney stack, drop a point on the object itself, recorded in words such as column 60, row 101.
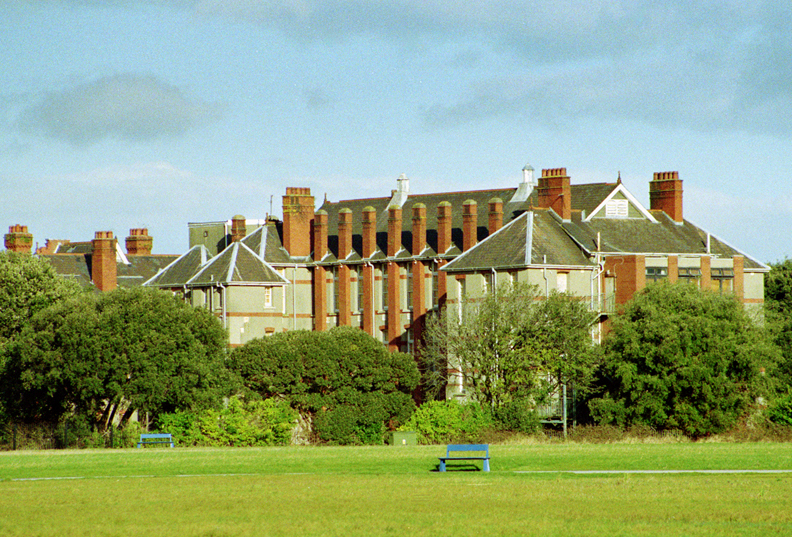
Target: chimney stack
column 103, row 261
column 344, row 233
column 369, row 231
column 555, row 192
column 298, row 209
column 443, row 227
column 394, row 230
column 418, row 228
column 18, row 239
column 665, row 194
column 320, row 234
column 469, row 224
column 139, row 242
column 238, row 228
column 495, row 215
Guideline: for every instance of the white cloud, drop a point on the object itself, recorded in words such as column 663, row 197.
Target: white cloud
column 125, row 106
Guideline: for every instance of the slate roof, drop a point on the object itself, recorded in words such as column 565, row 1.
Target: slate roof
column 179, row 272
column 265, row 242
column 544, row 238
column 237, row 264
column 77, row 267
column 533, row 238
column 431, row 201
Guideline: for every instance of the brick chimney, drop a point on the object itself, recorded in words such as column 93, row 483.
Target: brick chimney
column 369, row 231
column 238, row 228
column 139, row 242
column 344, row 233
column 320, row 234
column 665, row 194
column 495, row 215
column 394, row 230
column 298, row 209
column 443, row 227
column 418, row 228
column 469, row 224
column 555, row 193
column 103, row 261
column 18, row 239
column 343, row 281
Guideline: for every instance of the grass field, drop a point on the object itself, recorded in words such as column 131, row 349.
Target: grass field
column 396, row 491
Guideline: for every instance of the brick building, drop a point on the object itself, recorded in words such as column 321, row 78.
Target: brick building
column 382, row 263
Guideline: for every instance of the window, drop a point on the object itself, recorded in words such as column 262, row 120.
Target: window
column 360, row 288
column 435, row 299
column 722, row 280
column 562, row 281
column 690, row 275
column 616, row 209
column 655, row 274
column 409, row 289
column 333, row 304
column 385, row 288
column 268, row 297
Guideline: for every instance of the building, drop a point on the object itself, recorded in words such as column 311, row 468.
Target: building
column 100, row 263
column 382, row 264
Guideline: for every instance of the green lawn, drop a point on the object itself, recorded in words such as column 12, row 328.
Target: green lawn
column 395, row 491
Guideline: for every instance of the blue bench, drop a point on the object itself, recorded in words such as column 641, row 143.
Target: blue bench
column 482, row 449
column 155, row 438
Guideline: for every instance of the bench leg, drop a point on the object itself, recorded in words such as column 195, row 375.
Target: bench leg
column 486, row 465
column 442, row 466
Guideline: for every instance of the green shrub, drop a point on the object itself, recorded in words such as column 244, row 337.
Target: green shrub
column 518, row 416
column 780, row 410
column 183, row 426
column 442, row 422
column 239, row 423
column 129, row 435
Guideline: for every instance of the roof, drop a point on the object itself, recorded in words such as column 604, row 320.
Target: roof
column 237, row 264
column 430, row 201
column 533, row 238
column 137, row 269
column 178, row 273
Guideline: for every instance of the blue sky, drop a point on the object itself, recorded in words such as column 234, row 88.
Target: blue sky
column 122, row 114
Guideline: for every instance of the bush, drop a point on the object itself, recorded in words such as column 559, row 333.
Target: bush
column 780, row 410
column 518, row 416
column 443, row 422
column 239, row 423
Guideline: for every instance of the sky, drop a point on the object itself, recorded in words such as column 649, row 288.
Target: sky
column 121, row 114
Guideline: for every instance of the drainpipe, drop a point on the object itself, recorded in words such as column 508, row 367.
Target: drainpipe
column 544, row 275
column 223, row 297
column 294, row 297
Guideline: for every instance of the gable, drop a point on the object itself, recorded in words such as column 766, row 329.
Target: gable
column 620, row 204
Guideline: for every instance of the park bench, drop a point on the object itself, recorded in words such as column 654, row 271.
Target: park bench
column 155, row 438
column 482, row 449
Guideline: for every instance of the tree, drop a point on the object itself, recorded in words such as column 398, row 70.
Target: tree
column 108, row 355
column 684, row 359
column 778, row 314
column 344, row 379
column 512, row 346
column 28, row 284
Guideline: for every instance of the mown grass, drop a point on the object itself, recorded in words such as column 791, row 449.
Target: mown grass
column 395, row 491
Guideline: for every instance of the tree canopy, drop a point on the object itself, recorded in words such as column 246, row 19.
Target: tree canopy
column 681, row 358
column 28, row 284
column 110, row 354
column 511, row 345
column 343, row 378
column 778, row 314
